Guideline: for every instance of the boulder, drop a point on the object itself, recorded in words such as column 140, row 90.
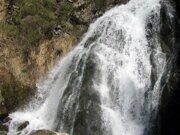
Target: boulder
column 6, row 120
column 88, row 117
column 46, row 132
column 3, row 133
column 23, row 125
column 3, row 128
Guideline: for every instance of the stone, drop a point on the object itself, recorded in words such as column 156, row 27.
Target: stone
column 3, row 128
column 23, row 125
column 88, row 119
column 3, row 133
column 6, row 120
column 3, row 111
column 46, row 132
column 42, row 132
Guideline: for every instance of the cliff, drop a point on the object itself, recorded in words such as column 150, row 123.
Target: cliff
column 33, row 35
column 169, row 119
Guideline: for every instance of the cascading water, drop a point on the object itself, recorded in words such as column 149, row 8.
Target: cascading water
column 114, row 63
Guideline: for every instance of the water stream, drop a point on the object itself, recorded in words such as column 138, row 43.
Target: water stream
column 114, row 63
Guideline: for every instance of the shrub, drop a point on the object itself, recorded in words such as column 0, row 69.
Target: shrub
column 32, row 20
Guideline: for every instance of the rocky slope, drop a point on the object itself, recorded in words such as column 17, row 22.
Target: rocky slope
column 24, row 61
column 33, row 35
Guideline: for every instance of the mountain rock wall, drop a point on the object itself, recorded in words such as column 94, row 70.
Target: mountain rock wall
column 33, row 35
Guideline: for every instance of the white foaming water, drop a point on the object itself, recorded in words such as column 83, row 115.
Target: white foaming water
column 122, row 54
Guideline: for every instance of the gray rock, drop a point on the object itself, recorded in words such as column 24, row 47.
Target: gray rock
column 23, row 125
column 3, row 127
column 3, row 133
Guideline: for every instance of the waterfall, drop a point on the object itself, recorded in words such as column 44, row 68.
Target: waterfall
column 109, row 83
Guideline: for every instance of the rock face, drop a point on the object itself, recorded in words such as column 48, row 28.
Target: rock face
column 24, row 62
column 169, row 108
column 83, row 12
column 30, row 42
column 82, row 112
column 88, row 118
column 21, row 66
column 23, row 125
column 3, row 128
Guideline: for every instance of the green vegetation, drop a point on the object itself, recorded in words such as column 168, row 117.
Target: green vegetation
column 66, row 11
column 31, row 21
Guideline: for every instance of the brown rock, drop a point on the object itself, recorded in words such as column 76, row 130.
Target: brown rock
column 46, row 132
column 42, row 132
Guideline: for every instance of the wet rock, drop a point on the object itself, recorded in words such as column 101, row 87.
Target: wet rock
column 42, row 132
column 88, row 118
column 46, row 132
column 3, row 128
column 3, row 116
column 3, row 133
column 6, row 120
column 83, row 115
column 3, row 109
column 23, row 125
column 169, row 120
